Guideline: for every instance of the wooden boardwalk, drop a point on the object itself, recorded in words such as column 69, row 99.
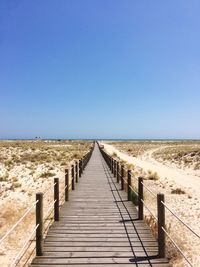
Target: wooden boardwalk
column 98, row 226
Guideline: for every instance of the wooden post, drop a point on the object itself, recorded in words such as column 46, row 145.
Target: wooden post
column 56, row 199
column 122, row 177
column 39, row 222
column 115, row 165
column 112, row 165
column 140, row 199
column 129, row 184
column 117, row 172
column 72, row 178
column 80, row 168
column 66, row 185
column 115, row 168
column 76, row 170
column 161, row 224
column 83, row 164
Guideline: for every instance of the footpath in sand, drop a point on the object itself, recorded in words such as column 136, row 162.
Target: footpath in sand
column 180, row 177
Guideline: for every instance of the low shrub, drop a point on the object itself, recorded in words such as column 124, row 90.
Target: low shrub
column 47, row 174
column 178, row 191
column 134, row 198
column 153, row 176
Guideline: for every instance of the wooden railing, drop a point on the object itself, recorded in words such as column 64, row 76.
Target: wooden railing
column 125, row 176
column 76, row 171
column 59, row 197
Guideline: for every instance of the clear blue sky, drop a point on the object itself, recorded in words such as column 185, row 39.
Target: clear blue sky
column 100, row 68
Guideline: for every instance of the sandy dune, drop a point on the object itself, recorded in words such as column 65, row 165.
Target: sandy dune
column 28, row 167
column 147, row 162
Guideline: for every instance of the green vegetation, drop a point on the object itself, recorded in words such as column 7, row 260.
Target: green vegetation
column 134, row 197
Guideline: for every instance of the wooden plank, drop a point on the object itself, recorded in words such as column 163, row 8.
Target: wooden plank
column 91, row 249
column 75, row 230
column 101, row 239
column 89, row 255
column 102, row 224
column 84, row 254
column 96, row 249
column 106, row 265
column 98, row 260
column 98, row 235
column 100, row 243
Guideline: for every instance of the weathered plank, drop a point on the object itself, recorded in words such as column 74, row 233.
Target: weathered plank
column 138, row 264
column 97, row 249
column 97, row 260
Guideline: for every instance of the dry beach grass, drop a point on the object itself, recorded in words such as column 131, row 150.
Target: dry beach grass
column 27, row 167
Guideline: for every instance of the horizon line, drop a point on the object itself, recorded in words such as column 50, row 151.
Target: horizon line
column 65, row 139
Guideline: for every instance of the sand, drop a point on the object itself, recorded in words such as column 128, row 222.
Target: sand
column 147, row 162
column 25, row 169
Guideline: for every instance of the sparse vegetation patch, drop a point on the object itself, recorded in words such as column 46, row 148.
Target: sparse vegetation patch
column 178, row 191
column 47, row 175
column 153, row 176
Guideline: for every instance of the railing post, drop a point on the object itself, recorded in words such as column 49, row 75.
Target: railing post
column 56, row 199
column 129, row 185
column 161, row 224
column 115, row 165
column 122, row 177
column 83, row 163
column 112, row 165
column 39, row 222
column 117, row 172
column 76, row 170
column 72, row 178
column 66, row 185
column 80, row 168
column 140, row 199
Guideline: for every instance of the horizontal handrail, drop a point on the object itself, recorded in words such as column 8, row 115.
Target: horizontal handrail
column 180, row 220
column 177, row 247
column 49, row 209
column 119, row 174
column 18, row 222
column 149, row 210
column 47, row 191
column 24, row 246
column 133, row 176
column 66, row 187
column 133, row 190
column 149, row 190
column 63, row 191
column 125, row 181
